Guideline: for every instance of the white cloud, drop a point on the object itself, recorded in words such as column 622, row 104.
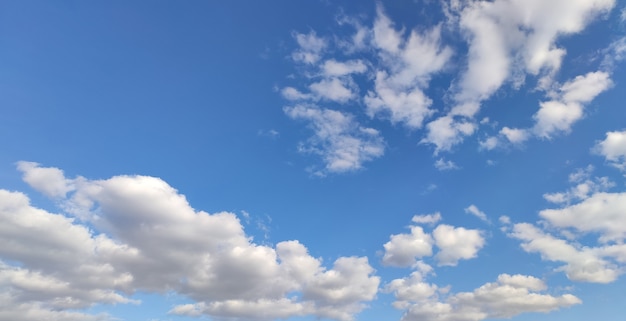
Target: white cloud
column 456, row 243
column 406, row 66
column 489, row 143
column 445, row 132
column 597, row 214
column 403, row 250
column 334, row 68
column 427, row 219
column 514, row 135
column 445, row 165
column 146, row 237
column 411, row 289
column 474, row 210
column 508, row 39
column 558, row 115
column 601, row 213
column 339, row 139
column 49, row 181
column 333, row 89
column 582, row 264
column 311, row 47
column 509, row 296
column 291, row 93
column 613, row 148
column 585, row 186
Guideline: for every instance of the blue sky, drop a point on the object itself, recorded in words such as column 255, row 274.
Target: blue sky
column 438, row 160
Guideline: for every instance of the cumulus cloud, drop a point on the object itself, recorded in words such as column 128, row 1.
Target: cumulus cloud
column 144, row 236
column 406, row 66
column 453, row 243
column 456, row 243
column 343, row 144
column 507, row 41
column 403, row 250
column 514, row 135
column 591, row 220
column 582, row 264
column 613, row 148
column 601, row 213
column 558, row 115
column 509, row 296
column 49, row 181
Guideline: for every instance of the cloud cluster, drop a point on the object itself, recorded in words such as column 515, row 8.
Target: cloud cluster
column 589, row 212
column 144, row 236
column 509, row 296
column 338, row 138
column 453, row 244
column 507, row 41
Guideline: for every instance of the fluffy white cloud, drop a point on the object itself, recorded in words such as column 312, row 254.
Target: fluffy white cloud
column 597, row 213
column 445, row 132
column 403, row 250
column 453, row 243
column 146, row 237
column 509, row 39
column 558, row 115
column 514, row 135
column 602, row 213
column 456, row 243
column 509, row 296
column 339, row 139
column 49, row 181
column 406, row 66
column 583, row 264
column 613, row 148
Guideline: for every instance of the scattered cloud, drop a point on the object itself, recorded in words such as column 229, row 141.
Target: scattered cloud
column 509, row 296
column 585, row 186
column 596, row 213
column 558, row 115
column 473, row 209
column 445, row 165
column 310, row 47
column 334, row 68
column 427, row 219
column 507, row 41
column 343, row 144
column 613, row 148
